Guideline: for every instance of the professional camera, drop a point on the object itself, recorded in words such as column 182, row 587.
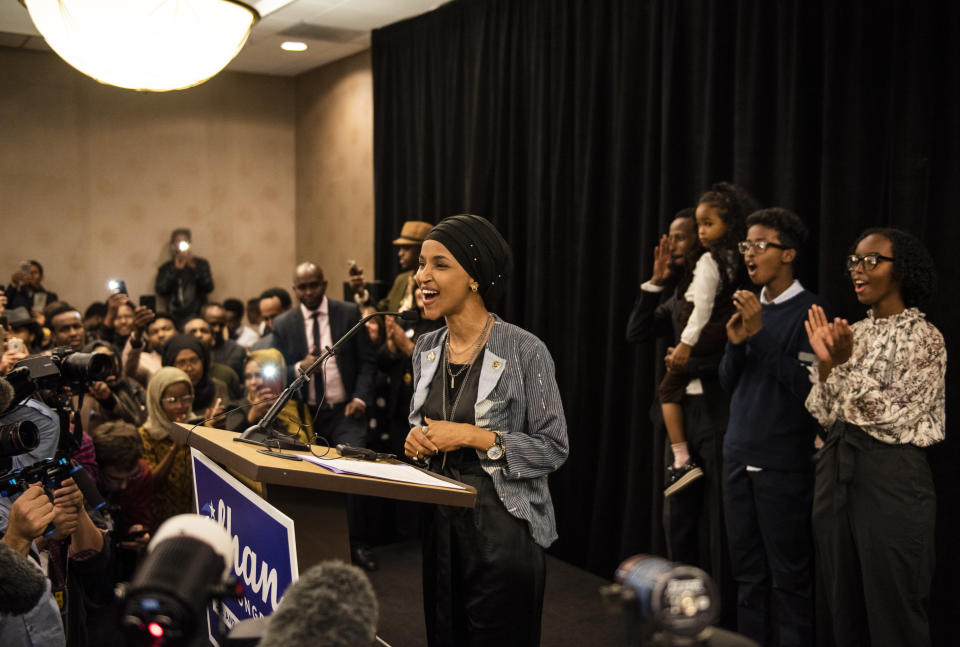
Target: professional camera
column 64, row 367
column 188, row 564
column 18, row 438
column 50, row 473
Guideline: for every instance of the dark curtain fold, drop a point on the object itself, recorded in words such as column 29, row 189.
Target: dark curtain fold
column 580, row 126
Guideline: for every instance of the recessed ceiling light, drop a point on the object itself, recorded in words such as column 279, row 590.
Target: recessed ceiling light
column 293, row 46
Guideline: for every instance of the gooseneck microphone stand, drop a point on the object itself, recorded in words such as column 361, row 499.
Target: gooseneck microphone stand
column 262, row 433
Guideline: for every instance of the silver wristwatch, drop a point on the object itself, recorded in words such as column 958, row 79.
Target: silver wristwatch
column 495, row 452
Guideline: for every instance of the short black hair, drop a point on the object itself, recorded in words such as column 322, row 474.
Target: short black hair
column 235, row 306
column 210, row 304
column 788, row 225
column 733, row 203
column 180, row 230
column 57, row 308
column 913, row 266
column 38, row 265
column 169, row 317
column 689, row 212
column 279, row 293
column 95, row 309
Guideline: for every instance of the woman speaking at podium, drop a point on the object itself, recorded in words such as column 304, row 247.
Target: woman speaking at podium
column 485, row 411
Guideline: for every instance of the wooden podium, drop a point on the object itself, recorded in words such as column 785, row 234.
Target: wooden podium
column 313, row 497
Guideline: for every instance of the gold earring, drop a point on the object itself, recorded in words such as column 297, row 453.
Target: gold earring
column 474, row 287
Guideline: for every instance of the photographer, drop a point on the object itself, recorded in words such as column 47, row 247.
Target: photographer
column 22, row 521
column 115, row 398
column 184, row 281
column 141, row 355
column 10, row 353
column 26, row 289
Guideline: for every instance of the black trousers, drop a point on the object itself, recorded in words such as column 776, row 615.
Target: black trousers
column 693, row 517
column 771, row 552
column 483, row 575
column 873, row 518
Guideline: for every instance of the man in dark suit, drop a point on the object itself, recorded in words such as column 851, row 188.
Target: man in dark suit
column 341, row 393
column 344, row 389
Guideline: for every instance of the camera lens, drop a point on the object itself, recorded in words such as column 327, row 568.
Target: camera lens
column 18, row 438
column 86, row 367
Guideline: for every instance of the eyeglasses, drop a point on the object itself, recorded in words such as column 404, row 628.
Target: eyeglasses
column 182, row 399
column 869, row 261
column 760, row 245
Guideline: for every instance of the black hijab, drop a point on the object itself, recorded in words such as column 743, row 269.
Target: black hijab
column 480, row 250
column 204, row 391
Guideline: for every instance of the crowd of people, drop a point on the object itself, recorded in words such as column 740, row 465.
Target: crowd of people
column 796, row 439
column 191, row 360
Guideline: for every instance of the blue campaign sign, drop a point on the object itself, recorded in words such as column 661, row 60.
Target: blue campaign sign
column 264, row 545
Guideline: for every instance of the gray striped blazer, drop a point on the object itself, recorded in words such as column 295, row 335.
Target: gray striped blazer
column 517, row 396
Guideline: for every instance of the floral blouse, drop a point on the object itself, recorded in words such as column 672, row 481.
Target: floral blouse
column 893, row 385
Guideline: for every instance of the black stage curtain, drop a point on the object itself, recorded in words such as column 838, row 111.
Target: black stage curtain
column 580, row 126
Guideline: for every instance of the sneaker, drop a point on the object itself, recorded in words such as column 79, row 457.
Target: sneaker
column 680, row 477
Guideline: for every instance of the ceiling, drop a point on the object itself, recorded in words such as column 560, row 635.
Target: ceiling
column 332, row 29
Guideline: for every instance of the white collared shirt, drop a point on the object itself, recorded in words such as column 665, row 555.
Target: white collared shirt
column 792, row 291
column 333, row 382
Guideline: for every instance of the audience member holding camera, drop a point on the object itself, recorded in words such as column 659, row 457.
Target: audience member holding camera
column 185, row 281
column 264, row 378
column 24, row 327
column 26, row 290
column 115, row 398
column 141, row 355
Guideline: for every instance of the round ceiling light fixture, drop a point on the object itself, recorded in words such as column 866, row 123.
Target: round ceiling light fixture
column 154, row 45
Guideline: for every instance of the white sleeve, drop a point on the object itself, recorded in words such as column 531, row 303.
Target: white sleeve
column 702, row 291
column 650, row 286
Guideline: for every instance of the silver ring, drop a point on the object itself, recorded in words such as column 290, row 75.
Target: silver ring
column 425, row 429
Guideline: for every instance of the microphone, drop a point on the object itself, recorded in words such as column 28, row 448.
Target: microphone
column 332, row 604
column 22, row 584
column 262, row 433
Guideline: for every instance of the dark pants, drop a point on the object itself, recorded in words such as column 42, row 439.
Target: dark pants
column 873, row 518
column 483, row 575
column 771, row 552
column 693, row 517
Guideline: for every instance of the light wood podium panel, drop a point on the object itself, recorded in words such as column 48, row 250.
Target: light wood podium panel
column 313, row 497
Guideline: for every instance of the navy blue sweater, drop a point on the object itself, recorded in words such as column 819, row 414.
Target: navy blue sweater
column 767, row 375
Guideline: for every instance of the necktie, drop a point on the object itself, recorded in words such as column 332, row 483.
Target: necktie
column 318, row 376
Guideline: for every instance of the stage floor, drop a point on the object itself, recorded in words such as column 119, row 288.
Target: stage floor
column 573, row 612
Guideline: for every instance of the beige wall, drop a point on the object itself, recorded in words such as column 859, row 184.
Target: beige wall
column 266, row 171
column 93, row 178
column 335, row 167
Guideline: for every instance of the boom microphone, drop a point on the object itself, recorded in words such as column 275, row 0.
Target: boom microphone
column 332, row 604
column 22, row 583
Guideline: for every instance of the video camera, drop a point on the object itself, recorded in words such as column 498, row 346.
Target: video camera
column 50, row 473
column 62, row 367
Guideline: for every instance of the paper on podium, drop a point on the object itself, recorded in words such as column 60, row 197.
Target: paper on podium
column 388, row 471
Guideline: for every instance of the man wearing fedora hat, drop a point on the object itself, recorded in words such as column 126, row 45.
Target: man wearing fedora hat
column 412, row 235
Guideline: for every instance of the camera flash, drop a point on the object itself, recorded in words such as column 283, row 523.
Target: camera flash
column 183, row 245
column 270, row 371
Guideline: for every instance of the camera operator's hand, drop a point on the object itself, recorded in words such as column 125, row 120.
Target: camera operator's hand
column 137, row 540
column 114, row 301
column 29, row 517
column 10, row 358
column 357, row 283
column 264, row 399
column 67, row 504
column 183, row 259
column 142, row 317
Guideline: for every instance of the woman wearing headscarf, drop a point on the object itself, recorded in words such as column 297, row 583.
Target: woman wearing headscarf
column 169, row 401
column 486, row 411
column 264, row 378
column 192, row 356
